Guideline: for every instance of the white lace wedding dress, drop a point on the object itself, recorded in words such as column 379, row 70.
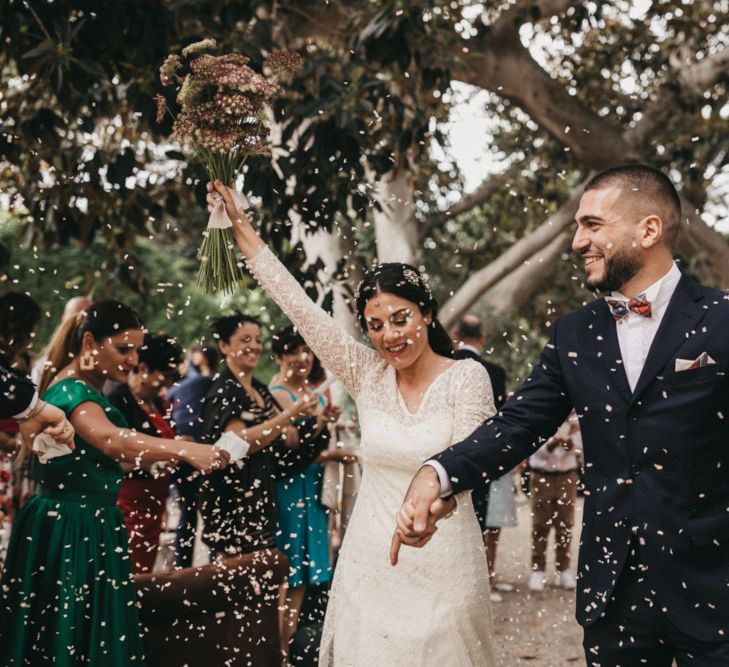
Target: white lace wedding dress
column 433, row 607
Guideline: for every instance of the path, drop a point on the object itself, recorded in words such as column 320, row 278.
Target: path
column 534, row 628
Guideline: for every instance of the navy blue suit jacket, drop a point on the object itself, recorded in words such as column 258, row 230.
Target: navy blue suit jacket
column 656, row 458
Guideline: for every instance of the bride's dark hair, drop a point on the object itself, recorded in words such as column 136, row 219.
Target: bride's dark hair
column 405, row 281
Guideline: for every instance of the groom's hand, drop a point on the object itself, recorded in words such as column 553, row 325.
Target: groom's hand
column 420, row 511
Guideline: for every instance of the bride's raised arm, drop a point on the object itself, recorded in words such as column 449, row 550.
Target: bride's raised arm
column 336, row 349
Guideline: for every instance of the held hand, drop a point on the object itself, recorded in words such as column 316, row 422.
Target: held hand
column 419, row 512
column 217, row 192
column 306, row 406
column 50, row 420
column 206, row 458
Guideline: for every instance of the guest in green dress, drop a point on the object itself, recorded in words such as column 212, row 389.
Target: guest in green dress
column 66, row 595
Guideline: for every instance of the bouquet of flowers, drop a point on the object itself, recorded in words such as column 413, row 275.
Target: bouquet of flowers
column 222, row 116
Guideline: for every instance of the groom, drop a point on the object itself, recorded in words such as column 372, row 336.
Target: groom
column 647, row 369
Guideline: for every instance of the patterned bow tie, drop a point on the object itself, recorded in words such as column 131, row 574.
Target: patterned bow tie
column 620, row 308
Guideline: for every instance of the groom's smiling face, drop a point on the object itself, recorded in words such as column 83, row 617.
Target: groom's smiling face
column 606, row 239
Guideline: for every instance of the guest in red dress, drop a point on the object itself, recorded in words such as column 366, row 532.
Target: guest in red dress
column 143, row 495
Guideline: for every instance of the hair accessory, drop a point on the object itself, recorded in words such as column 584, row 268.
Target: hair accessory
column 410, row 276
column 417, row 280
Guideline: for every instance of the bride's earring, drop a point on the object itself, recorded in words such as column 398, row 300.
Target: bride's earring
column 86, row 363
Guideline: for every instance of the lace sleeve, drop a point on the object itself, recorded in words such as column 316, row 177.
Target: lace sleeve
column 474, row 400
column 336, row 349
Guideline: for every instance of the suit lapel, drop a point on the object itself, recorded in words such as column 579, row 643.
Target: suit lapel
column 611, row 357
column 684, row 312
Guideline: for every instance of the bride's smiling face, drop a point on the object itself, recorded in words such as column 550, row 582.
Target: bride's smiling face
column 397, row 328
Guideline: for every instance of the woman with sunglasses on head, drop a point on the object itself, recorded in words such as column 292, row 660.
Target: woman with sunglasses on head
column 413, row 400
column 66, row 595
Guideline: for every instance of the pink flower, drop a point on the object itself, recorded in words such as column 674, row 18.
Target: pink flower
column 161, row 107
column 169, row 68
column 282, row 63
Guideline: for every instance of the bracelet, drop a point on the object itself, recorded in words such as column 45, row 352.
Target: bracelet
column 37, row 409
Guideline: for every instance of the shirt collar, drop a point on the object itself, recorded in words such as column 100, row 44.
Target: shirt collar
column 660, row 292
column 470, row 348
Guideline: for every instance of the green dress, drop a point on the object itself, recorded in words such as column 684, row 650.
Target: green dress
column 66, row 595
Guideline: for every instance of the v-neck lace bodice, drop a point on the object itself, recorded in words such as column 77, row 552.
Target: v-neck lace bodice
column 433, row 608
column 401, row 397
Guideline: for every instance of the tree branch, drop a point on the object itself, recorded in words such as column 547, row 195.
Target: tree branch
column 705, row 246
column 464, row 251
column 479, row 196
column 519, row 285
column 508, row 261
column 498, row 61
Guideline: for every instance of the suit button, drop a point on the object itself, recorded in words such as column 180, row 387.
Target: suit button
column 633, row 415
column 634, row 468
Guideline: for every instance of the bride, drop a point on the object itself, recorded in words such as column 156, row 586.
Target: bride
column 413, row 400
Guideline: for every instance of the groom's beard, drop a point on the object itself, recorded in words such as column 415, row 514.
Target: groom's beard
column 620, row 267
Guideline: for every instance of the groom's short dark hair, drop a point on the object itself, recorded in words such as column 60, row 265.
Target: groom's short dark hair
column 654, row 188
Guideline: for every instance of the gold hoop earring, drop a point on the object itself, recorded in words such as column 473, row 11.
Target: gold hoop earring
column 86, row 363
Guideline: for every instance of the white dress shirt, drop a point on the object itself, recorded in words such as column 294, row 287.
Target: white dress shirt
column 636, row 332
column 635, row 336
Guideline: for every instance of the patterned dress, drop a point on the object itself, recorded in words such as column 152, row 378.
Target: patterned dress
column 433, row 608
column 66, row 595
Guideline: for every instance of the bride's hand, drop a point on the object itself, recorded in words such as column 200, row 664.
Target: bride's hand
column 245, row 236
column 217, row 192
column 421, row 509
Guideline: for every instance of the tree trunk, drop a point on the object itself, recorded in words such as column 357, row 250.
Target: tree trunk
column 509, row 261
column 331, row 247
column 704, row 247
column 396, row 231
column 515, row 289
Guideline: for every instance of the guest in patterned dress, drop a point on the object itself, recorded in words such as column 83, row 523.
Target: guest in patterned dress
column 238, row 505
